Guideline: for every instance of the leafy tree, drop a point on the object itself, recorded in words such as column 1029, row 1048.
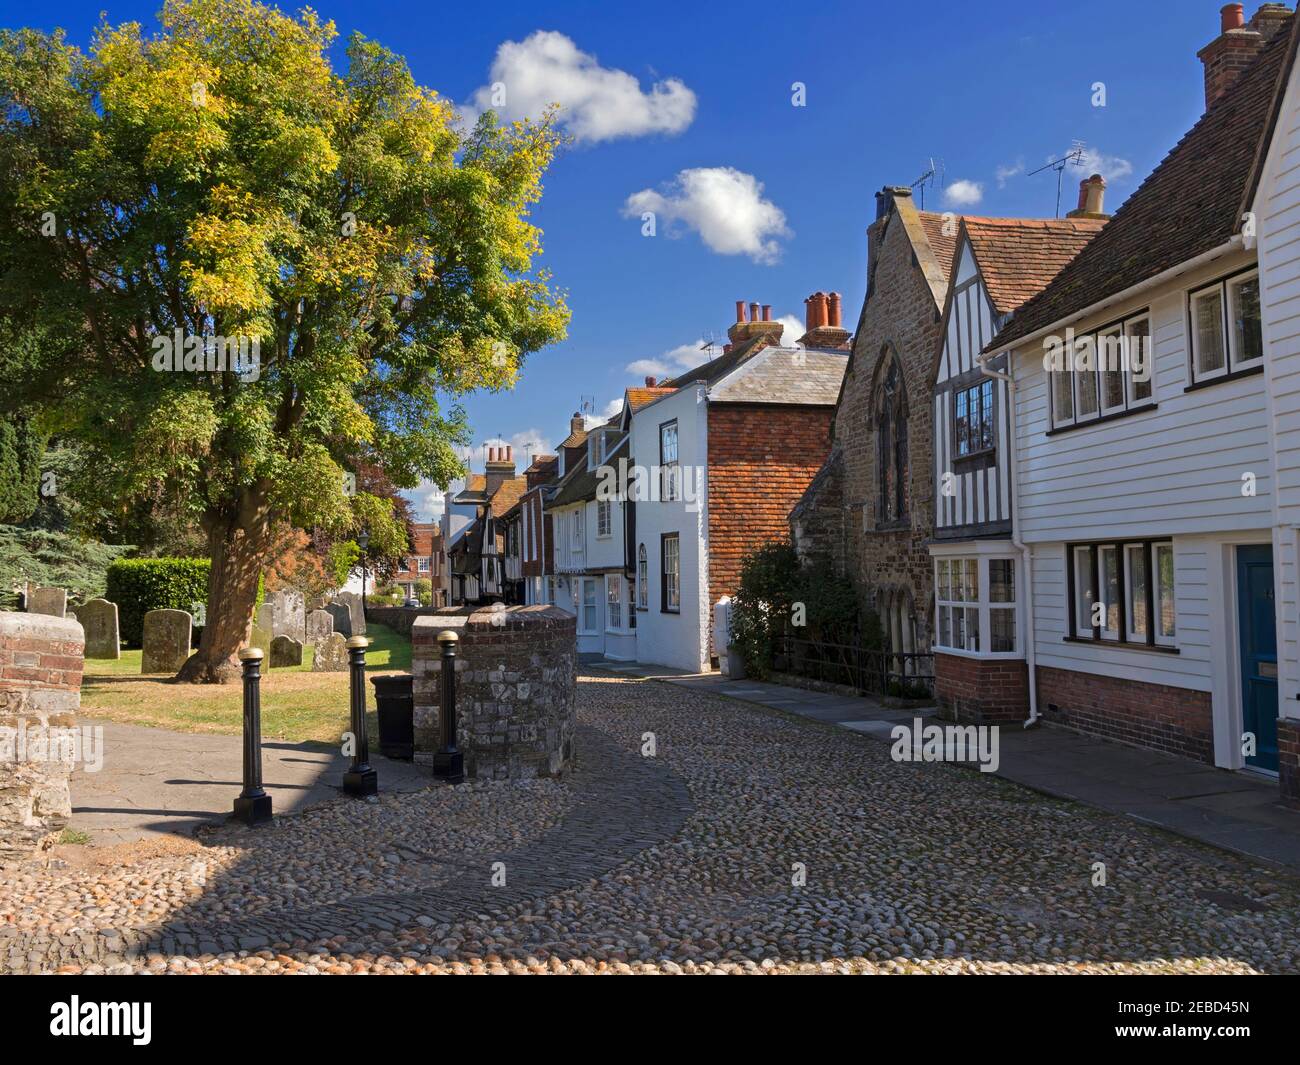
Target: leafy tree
column 221, row 180
column 55, row 559
column 21, row 447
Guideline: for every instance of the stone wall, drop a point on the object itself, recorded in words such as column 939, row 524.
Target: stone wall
column 399, row 618
column 889, row 561
column 515, row 691
column 41, row 659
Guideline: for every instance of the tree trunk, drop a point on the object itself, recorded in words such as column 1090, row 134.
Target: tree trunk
column 236, row 547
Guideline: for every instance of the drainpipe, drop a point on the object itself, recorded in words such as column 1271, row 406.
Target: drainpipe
column 1019, row 544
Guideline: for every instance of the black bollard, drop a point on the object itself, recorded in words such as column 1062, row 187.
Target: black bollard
column 253, row 805
column 361, row 779
column 449, row 763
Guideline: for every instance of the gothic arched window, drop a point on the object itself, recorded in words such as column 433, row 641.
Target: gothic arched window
column 891, row 441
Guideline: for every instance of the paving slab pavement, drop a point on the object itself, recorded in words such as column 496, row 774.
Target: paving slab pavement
column 154, row 781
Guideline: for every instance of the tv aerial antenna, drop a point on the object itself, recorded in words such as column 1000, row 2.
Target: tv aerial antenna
column 932, row 178
column 587, row 405
column 710, row 342
column 1074, row 157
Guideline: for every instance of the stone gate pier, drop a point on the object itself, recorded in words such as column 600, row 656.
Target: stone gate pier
column 41, row 659
column 514, row 694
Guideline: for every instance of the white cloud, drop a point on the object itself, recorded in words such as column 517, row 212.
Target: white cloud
column 1005, row 173
column 612, row 409
column 1111, row 167
column 670, row 363
column 596, row 103
column 794, row 329
column 963, row 193
column 724, row 205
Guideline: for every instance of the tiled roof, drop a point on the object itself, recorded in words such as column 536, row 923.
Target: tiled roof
column 640, row 397
column 716, row 369
column 575, row 439
column 475, row 487
column 540, row 462
column 1191, row 204
column 942, row 237
column 508, row 493
column 1018, row 257
column 785, row 375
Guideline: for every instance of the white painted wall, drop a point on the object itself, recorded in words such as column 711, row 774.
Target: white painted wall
column 1277, row 223
column 680, row 640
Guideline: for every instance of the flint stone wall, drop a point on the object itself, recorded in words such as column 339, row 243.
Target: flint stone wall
column 515, row 669
column 41, row 660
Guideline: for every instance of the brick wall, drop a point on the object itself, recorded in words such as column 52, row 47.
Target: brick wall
column 761, row 459
column 41, row 660
column 1156, row 716
column 515, row 669
column 1288, row 759
column 982, row 690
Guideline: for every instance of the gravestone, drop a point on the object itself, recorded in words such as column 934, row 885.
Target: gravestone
column 288, row 614
column 331, row 654
column 355, row 609
column 341, row 615
column 166, row 641
column 99, row 621
column 264, row 616
column 319, row 625
column 285, row 651
column 260, row 637
column 52, row 601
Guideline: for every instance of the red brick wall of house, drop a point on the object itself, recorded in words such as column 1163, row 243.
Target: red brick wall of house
column 1288, row 760
column 1161, row 718
column 422, row 546
column 761, row 459
column 982, row 690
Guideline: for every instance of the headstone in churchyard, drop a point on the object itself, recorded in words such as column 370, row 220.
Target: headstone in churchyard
column 53, row 601
column 331, row 654
column 355, row 608
column 99, row 622
column 166, row 641
column 288, row 614
column 260, row 637
column 341, row 615
column 319, row 625
column 285, row 651
column 264, row 616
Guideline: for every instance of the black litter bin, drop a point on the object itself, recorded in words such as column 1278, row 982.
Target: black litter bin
column 395, row 703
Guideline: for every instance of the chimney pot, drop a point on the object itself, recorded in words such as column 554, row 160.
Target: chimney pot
column 510, row 453
column 753, row 312
column 835, row 309
column 740, row 310
column 649, row 381
column 1232, row 17
column 767, row 312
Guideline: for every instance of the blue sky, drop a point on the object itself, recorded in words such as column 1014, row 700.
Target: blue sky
column 773, row 199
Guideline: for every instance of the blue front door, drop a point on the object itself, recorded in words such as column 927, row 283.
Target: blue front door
column 1258, row 627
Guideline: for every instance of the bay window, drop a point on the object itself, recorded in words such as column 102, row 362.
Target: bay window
column 975, row 605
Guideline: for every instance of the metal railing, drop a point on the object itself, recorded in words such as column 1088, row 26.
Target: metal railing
column 901, row 674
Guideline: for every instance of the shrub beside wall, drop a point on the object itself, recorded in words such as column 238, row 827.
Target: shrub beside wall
column 138, row 585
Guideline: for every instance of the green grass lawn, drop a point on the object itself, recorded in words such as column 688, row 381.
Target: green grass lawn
column 297, row 704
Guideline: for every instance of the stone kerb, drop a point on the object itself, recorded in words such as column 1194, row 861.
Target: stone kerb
column 515, row 692
column 41, row 662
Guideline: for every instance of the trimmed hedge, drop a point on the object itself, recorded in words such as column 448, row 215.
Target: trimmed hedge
column 138, row 585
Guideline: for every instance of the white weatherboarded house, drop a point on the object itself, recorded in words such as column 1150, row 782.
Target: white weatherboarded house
column 1147, row 502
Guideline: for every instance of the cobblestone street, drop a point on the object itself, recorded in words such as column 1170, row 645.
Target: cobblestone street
column 680, row 862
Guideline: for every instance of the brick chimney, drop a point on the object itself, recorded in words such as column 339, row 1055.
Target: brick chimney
column 759, row 323
column 1238, row 43
column 822, row 323
column 500, row 467
column 1092, row 198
